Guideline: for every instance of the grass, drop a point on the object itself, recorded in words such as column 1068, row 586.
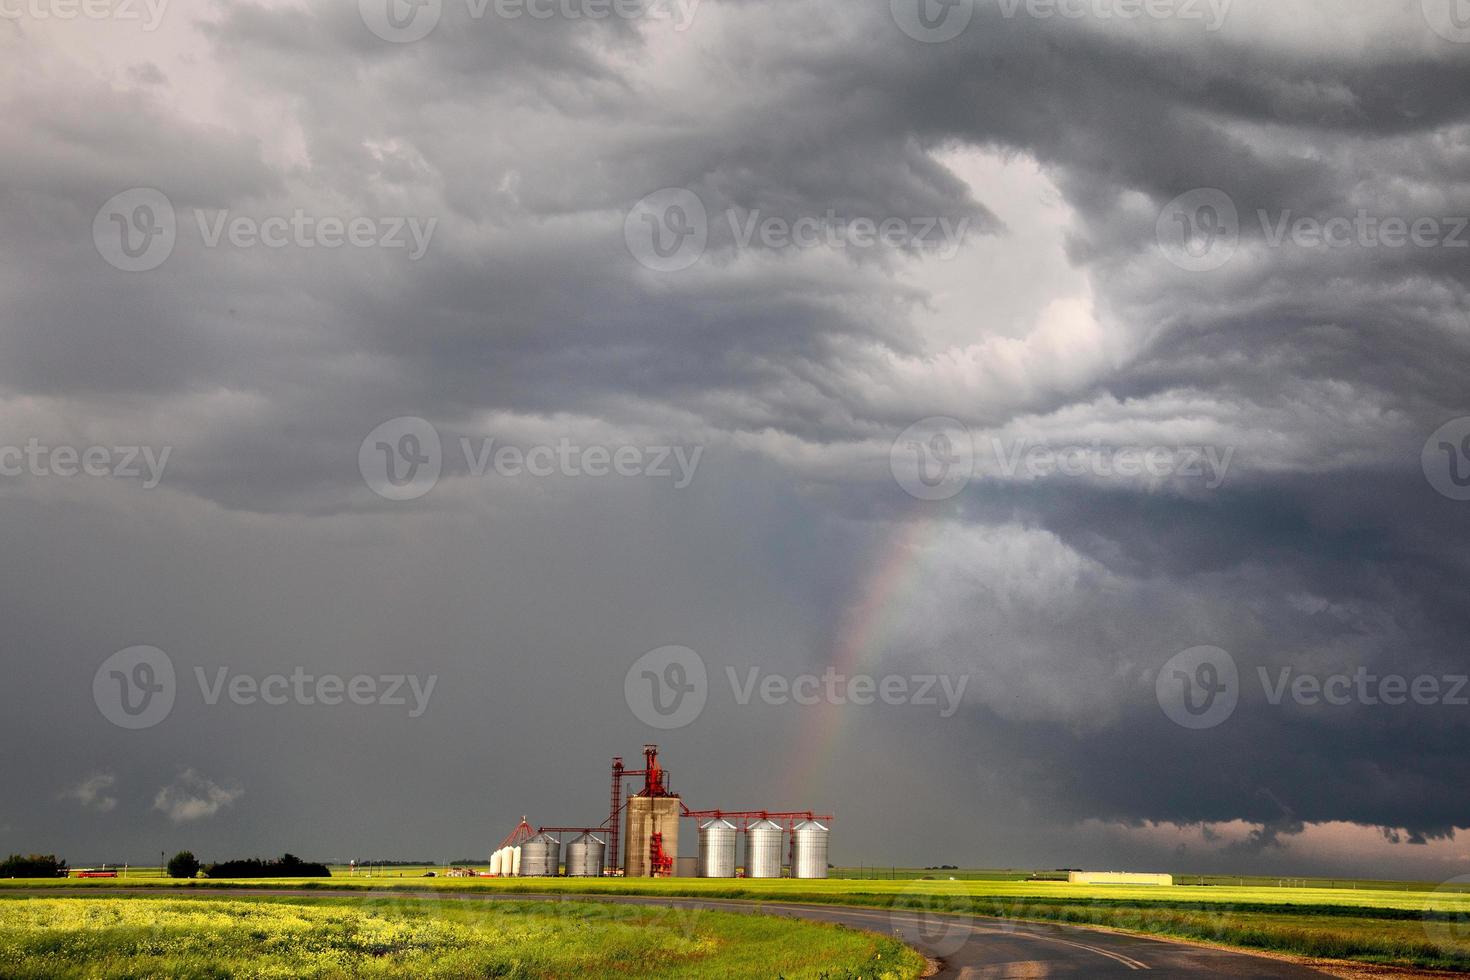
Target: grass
column 386, row 936
column 1376, row 922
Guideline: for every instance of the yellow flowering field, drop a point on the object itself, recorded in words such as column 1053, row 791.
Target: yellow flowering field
column 387, row 936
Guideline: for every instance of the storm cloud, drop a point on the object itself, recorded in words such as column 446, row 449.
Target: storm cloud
column 1215, row 442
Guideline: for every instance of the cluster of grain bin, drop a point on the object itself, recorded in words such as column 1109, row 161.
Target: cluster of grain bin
column 541, row 857
column 809, row 849
column 763, row 849
column 716, row 849
column 506, row 862
column 586, row 856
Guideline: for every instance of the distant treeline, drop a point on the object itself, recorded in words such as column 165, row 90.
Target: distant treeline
column 289, row 866
column 397, row 864
column 33, row 866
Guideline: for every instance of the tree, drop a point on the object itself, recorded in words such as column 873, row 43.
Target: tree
column 289, row 866
column 183, row 865
column 33, row 866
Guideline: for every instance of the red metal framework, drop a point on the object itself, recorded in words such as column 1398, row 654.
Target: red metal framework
column 660, row 865
column 519, row 836
column 657, row 783
column 612, row 814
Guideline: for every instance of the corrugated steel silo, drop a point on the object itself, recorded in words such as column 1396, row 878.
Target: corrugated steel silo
column 586, row 856
column 809, row 840
column 541, row 857
column 763, row 849
column 716, row 849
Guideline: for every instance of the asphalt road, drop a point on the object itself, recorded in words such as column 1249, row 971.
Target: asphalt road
column 968, row 948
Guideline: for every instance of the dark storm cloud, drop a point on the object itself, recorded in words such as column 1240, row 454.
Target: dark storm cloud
column 527, row 141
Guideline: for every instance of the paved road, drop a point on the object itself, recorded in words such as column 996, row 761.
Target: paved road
column 969, row 949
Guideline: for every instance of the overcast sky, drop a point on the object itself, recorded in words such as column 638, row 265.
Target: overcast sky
column 1001, row 352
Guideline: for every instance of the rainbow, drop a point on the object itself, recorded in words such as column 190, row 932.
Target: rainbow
column 858, row 648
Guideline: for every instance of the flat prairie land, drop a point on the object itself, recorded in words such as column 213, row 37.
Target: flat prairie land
column 1408, row 925
column 382, row 935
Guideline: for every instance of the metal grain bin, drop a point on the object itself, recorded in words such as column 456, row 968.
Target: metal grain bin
column 809, row 858
column 716, row 849
column 586, row 856
column 541, row 857
column 763, row 849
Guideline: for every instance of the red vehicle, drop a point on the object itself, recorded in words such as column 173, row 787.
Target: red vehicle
column 92, row 873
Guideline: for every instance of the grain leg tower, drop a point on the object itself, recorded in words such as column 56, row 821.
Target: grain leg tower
column 652, row 827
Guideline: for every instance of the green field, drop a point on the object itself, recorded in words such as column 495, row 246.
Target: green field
column 382, row 935
column 1377, row 922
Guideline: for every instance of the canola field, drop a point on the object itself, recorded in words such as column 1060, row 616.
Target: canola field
column 382, row 935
